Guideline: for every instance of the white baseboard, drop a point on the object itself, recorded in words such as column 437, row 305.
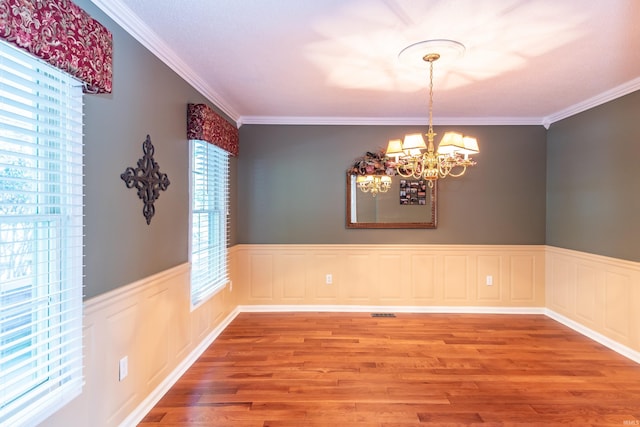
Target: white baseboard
column 596, row 336
column 135, row 417
column 387, row 309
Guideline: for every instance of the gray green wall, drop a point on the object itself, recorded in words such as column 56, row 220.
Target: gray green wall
column 575, row 186
column 291, row 188
column 148, row 98
column 593, row 180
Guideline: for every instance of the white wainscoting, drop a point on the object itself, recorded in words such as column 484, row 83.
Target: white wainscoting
column 597, row 295
column 391, row 275
column 151, row 322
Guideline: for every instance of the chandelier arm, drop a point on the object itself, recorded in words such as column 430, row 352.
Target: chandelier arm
column 433, row 165
column 444, row 168
column 408, row 175
column 418, row 166
column 414, row 175
column 454, row 175
column 411, row 170
column 400, row 169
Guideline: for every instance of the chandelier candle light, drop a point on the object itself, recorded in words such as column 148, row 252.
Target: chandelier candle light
column 374, row 184
column 373, row 172
column 419, row 160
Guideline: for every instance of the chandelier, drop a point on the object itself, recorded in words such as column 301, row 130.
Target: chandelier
column 374, row 184
column 419, row 160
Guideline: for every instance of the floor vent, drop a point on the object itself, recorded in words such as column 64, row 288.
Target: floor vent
column 383, row 315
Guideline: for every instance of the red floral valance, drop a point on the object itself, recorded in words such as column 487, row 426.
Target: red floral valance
column 205, row 124
column 62, row 34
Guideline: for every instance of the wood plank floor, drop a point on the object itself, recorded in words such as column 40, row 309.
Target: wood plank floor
column 352, row 369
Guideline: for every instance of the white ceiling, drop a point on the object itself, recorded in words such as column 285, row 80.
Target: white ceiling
column 336, row 61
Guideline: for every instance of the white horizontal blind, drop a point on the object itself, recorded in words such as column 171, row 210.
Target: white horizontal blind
column 40, row 238
column 209, row 219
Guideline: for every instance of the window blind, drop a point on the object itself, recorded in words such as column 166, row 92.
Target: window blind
column 209, row 219
column 41, row 236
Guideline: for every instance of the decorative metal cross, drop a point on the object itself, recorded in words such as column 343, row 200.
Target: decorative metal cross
column 147, row 179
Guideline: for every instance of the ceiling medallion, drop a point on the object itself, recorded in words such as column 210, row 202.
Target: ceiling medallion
column 446, row 50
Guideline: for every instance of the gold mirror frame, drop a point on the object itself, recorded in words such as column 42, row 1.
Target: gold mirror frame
column 430, row 209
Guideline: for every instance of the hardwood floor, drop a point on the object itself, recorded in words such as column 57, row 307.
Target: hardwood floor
column 352, row 369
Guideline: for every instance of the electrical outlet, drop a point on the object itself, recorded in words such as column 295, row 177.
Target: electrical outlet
column 124, row 368
column 329, row 279
column 489, row 281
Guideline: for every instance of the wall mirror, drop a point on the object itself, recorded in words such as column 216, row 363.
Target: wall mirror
column 408, row 203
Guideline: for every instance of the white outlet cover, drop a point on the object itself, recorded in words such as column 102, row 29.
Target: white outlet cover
column 124, row 368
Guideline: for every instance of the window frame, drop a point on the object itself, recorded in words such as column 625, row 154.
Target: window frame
column 202, row 286
column 41, row 150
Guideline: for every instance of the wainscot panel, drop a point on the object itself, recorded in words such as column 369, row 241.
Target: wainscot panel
column 596, row 295
column 152, row 324
column 391, row 275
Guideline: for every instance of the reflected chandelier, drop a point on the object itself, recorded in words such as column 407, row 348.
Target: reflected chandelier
column 417, row 160
column 374, row 184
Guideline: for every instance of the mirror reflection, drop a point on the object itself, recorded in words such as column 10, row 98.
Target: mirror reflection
column 406, row 203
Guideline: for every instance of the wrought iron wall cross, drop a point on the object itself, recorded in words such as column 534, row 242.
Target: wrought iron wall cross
column 147, row 179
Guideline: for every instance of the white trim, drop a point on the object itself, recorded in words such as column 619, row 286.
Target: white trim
column 208, row 196
column 588, row 257
column 140, row 31
column 596, row 336
column 41, row 336
column 387, row 309
column 332, row 247
column 107, row 299
column 136, row 416
column 610, row 95
column 390, row 121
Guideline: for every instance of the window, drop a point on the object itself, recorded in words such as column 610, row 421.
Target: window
column 40, row 238
column 209, row 219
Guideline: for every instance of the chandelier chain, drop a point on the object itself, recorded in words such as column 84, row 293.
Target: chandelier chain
column 430, row 97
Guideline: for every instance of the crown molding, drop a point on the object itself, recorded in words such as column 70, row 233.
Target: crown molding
column 610, row 95
column 139, row 30
column 389, row 121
